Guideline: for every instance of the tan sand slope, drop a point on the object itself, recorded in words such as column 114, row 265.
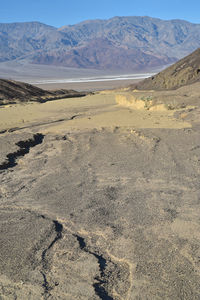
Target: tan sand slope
column 89, row 112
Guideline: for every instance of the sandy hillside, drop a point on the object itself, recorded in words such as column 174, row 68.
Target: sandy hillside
column 100, row 197
column 184, row 72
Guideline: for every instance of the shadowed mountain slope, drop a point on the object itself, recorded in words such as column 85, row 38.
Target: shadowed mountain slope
column 185, row 71
column 103, row 54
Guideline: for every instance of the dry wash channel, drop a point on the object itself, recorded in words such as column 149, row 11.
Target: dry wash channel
column 104, row 205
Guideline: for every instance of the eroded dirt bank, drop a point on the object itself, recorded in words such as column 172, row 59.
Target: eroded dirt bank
column 104, row 206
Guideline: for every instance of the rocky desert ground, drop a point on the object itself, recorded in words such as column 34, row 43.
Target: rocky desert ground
column 99, row 197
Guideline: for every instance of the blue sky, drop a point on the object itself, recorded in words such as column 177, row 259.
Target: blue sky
column 64, row 12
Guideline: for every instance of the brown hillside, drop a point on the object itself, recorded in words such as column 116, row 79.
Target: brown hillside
column 184, row 72
column 10, row 89
column 14, row 91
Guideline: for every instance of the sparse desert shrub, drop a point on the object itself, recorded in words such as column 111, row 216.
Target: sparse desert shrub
column 147, row 100
column 170, row 106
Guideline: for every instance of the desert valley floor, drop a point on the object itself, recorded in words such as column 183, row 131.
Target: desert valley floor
column 100, row 197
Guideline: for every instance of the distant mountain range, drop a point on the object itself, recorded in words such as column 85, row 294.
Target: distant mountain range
column 120, row 43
